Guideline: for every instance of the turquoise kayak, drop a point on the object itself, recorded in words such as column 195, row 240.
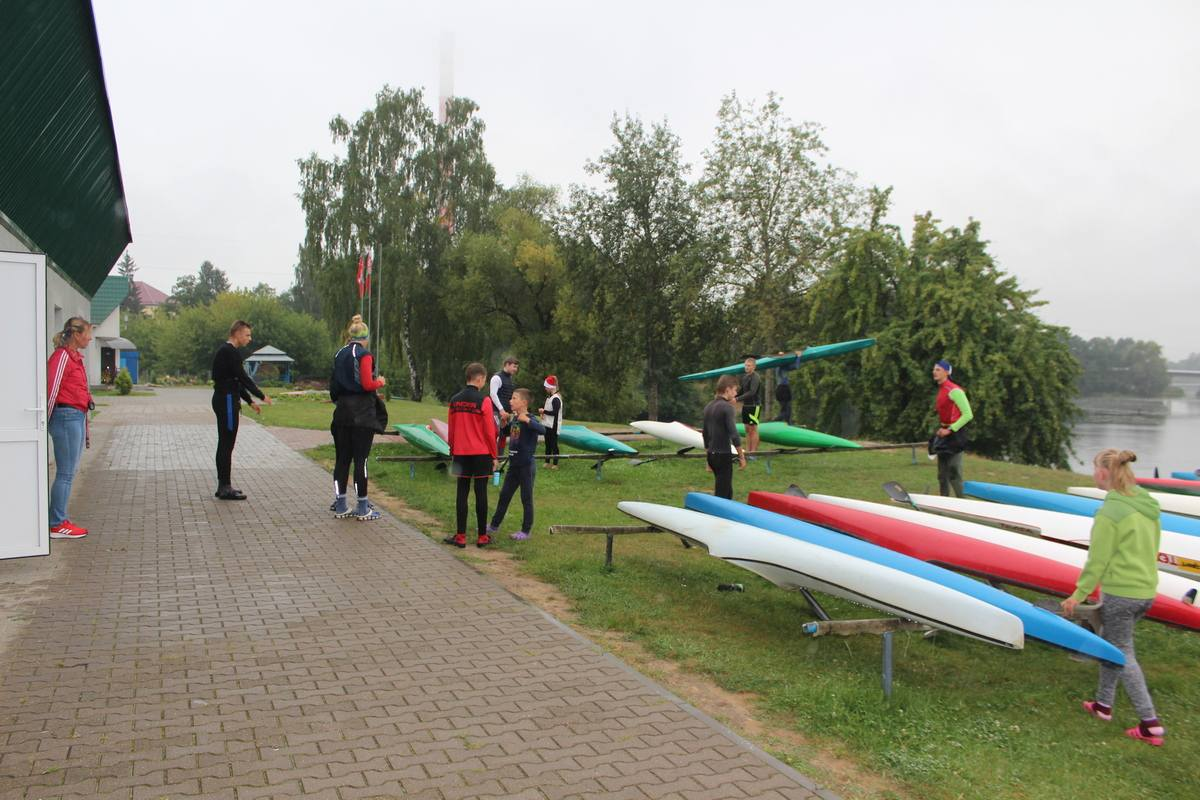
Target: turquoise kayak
column 785, row 435
column 787, row 361
column 585, row 439
column 422, row 438
column 1186, row 476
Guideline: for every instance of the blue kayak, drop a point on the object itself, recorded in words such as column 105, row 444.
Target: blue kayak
column 1066, row 503
column 1039, row 623
column 1186, row 476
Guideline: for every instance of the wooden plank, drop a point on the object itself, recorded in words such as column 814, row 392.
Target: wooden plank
column 857, row 627
column 610, row 531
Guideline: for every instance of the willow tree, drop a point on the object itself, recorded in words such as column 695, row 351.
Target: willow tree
column 402, row 190
column 941, row 295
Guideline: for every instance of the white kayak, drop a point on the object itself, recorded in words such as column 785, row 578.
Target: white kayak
column 1186, row 504
column 1170, row 585
column 794, row 564
column 1178, row 552
column 674, row 432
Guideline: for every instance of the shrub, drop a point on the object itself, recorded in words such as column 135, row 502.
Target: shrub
column 123, row 382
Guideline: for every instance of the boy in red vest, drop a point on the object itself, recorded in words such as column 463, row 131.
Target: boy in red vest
column 473, row 450
column 954, row 412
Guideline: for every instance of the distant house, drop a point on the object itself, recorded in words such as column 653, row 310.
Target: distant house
column 151, row 299
column 115, row 351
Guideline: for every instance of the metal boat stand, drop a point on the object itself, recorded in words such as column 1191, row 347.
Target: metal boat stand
column 611, row 531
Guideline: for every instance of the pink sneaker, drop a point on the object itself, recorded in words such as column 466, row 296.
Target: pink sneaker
column 65, row 530
column 1098, row 711
column 1152, row 736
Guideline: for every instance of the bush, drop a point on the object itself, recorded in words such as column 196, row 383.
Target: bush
column 123, row 382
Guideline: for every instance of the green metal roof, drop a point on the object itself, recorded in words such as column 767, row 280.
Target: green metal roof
column 60, row 178
column 110, row 294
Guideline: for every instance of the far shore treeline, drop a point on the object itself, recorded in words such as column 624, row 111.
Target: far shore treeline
column 652, row 270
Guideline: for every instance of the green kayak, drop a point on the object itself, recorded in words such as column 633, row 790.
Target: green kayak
column 788, row 361
column 785, row 435
column 585, row 439
column 423, row 439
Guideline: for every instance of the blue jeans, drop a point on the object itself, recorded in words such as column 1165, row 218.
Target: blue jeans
column 67, row 426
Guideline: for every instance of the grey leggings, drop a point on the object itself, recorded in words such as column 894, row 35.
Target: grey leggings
column 1118, row 615
column 950, row 474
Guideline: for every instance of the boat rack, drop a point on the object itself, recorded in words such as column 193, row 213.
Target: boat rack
column 637, row 459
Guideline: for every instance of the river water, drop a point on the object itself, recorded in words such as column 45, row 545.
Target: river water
column 1170, row 443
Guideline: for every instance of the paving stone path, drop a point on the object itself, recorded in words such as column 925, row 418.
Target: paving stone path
column 196, row 648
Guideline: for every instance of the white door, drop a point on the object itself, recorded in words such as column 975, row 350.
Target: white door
column 23, row 462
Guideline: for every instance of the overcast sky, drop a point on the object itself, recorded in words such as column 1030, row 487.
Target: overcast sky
column 1069, row 129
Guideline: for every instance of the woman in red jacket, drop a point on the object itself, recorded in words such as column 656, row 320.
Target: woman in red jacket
column 68, row 401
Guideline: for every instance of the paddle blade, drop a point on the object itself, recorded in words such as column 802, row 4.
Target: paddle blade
column 898, row 493
column 795, row 491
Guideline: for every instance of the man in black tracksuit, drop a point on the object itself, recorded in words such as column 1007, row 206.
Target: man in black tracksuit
column 721, row 436
column 231, row 385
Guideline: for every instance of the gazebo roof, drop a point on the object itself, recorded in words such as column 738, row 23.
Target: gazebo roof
column 270, row 354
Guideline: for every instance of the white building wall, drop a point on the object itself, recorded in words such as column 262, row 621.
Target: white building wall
column 64, row 301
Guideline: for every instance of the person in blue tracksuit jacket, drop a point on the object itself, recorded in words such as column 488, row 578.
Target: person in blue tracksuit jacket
column 523, row 432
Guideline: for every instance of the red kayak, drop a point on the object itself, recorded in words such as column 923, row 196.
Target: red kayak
column 1176, row 485
column 962, row 553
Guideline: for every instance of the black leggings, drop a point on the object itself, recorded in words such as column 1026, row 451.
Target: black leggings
column 464, row 489
column 551, row 446
column 722, row 467
column 517, row 477
column 351, row 444
column 227, row 408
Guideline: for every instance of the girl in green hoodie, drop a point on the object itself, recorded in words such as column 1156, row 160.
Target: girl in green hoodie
column 1123, row 560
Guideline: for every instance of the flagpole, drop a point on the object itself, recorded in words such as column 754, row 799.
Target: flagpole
column 379, row 307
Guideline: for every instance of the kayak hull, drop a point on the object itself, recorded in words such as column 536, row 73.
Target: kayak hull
column 794, row 564
column 788, row 361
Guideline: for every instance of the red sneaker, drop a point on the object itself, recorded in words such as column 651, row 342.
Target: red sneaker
column 65, row 530
column 460, row 540
column 1153, row 737
column 483, row 541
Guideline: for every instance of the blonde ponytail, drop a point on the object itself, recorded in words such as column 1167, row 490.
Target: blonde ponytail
column 74, row 325
column 1120, row 473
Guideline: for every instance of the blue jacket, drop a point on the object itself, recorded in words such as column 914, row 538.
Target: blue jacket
column 523, row 441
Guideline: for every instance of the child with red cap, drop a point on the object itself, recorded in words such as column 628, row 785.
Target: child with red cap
column 552, row 417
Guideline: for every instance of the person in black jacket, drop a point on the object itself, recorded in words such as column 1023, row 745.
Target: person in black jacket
column 721, row 437
column 231, row 385
column 357, row 416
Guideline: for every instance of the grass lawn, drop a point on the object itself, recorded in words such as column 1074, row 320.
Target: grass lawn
column 966, row 719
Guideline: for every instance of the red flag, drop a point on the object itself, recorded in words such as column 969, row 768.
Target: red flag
column 359, row 280
column 368, row 274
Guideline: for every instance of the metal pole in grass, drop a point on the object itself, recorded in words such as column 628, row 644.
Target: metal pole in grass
column 887, row 665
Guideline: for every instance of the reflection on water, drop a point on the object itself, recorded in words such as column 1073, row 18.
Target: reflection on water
column 1172, row 444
